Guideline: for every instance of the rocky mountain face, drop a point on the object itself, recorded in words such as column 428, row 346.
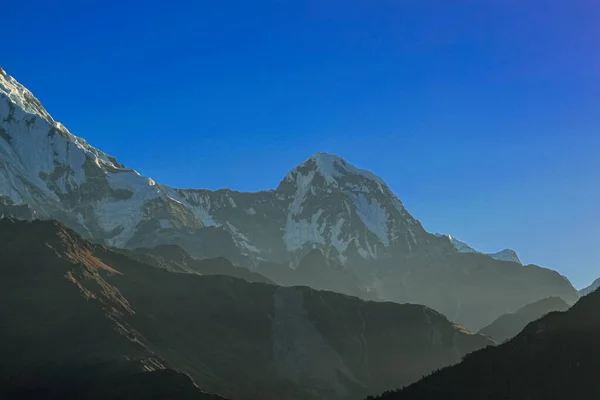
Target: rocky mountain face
column 80, row 309
column 555, row 357
column 348, row 214
column 509, row 325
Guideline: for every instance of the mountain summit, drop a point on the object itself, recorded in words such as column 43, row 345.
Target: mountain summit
column 332, row 169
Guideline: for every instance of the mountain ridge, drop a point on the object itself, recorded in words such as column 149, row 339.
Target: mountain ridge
column 555, row 357
column 502, row 255
column 68, row 304
column 508, row 326
column 325, row 203
column 591, row 288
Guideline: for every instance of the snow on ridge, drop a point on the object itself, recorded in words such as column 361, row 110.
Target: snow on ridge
column 21, row 96
column 38, row 152
column 195, row 201
column 462, row 247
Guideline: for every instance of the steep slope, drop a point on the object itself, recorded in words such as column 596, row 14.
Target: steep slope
column 347, row 213
column 63, row 332
column 66, row 304
column 509, row 325
column 592, row 288
column 556, row 357
column 45, row 167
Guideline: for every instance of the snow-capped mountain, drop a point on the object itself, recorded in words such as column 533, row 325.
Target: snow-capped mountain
column 350, row 215
column 462, row 247
column 59, row 175
column 323, row 203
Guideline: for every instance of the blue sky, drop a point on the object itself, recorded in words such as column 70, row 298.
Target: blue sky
column 483, row 116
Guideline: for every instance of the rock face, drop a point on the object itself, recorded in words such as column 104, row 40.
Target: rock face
column 509, row 325
column 555, row 357
column 69, row 305
column 348, row 214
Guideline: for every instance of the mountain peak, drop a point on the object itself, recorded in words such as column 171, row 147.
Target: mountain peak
column 21, row 96
column 332, row 166
column 332, row 169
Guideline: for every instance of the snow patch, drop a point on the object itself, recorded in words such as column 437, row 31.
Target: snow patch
column 335, row 231
column 373, row 215
column 299, row 232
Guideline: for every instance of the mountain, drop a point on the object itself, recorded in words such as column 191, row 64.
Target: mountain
column 555, row 357
column 509, row 325
column 324, row 202
column 350, row 215
column 592, row 288
column 63, row 332
column 318, row 272
column 462, row 247
column 175, row 259
column 470, row 289
column 69, row 305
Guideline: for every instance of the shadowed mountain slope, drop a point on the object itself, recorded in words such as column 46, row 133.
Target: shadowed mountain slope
column 67, row 304
column 509, row 325
column 555, row 357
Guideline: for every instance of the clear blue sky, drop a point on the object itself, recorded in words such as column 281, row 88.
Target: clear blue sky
column 483, row 116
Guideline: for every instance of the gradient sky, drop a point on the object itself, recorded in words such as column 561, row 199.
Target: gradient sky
column 483, row 116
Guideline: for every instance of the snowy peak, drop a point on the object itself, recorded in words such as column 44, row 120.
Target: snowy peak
column 331, row 170
column 335, row 205
column 506, row 255
column 332, row 167
column 462, row 247
column 22, row 97
column 60, row 176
